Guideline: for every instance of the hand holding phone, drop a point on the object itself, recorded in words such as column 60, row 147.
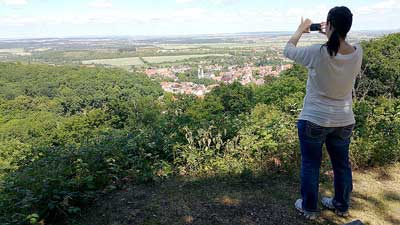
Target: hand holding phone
column 320, row 27
column 315, row 27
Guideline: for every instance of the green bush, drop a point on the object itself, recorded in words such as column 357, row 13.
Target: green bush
column 381, row 66
column 205, row 152
column 266, row 142
column 376, row 139
column 270, row 136
column 63, row 180
column 287, row 93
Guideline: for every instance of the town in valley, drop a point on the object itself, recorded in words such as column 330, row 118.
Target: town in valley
column 182, row 65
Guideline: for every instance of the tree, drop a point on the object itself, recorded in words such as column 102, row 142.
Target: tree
column 381, row 67
column 235, row 98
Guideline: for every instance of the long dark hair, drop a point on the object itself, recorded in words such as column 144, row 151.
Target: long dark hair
column 340, row 20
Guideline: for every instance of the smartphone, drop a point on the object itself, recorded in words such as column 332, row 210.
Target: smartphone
column 315, row 27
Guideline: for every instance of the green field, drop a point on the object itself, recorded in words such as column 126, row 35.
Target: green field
column 136, row 61
column 163, row 59
column 119, row 62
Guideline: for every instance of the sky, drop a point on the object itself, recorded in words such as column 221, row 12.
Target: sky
column 58, row 18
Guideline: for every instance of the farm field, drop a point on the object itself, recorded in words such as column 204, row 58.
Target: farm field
column 136, row 61
column 118, row 62
column 213, row 45
column 163, row 59
column 12, row 50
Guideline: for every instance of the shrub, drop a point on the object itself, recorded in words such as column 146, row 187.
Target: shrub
column 270, row 138
column 63, row 180
column 376, row 139
column 266, row 142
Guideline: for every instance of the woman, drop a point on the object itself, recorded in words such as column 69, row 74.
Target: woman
column 327, row 115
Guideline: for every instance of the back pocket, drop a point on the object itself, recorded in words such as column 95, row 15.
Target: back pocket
column 314, row 130
column 346, row 132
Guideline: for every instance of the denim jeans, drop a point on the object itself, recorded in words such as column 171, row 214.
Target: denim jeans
column 337, row 139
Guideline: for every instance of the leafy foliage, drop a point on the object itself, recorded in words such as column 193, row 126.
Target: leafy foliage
column 381, row 67
column 377, row 135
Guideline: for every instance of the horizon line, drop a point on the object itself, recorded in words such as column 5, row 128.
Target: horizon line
column 178, row 35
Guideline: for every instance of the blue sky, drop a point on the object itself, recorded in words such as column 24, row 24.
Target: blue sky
column 51, row 18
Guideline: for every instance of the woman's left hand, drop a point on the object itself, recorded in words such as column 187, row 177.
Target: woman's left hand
column 323, row 28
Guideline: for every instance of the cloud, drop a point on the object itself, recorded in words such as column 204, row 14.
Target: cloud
column 209, row 2
column 14, row 2
column 198, row 18
column 380, row 7
column 184, row 1
column 316, row 11
column 101, row 4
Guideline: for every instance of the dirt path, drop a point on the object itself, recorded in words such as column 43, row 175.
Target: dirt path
column 262, row 200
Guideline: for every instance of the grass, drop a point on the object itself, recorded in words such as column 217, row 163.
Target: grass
column 118, row 62
column 377, row 196
column 254, row 200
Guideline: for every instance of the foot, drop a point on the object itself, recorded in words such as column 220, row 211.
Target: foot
column 328, row 203
column 306, row 214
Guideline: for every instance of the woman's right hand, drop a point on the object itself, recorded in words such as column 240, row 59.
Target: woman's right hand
column 304, row 26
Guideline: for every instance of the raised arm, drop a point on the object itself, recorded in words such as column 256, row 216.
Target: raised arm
column 302, row 55
column 304, row 27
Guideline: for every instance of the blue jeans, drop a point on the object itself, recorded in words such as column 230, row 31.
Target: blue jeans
column 337, row 139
